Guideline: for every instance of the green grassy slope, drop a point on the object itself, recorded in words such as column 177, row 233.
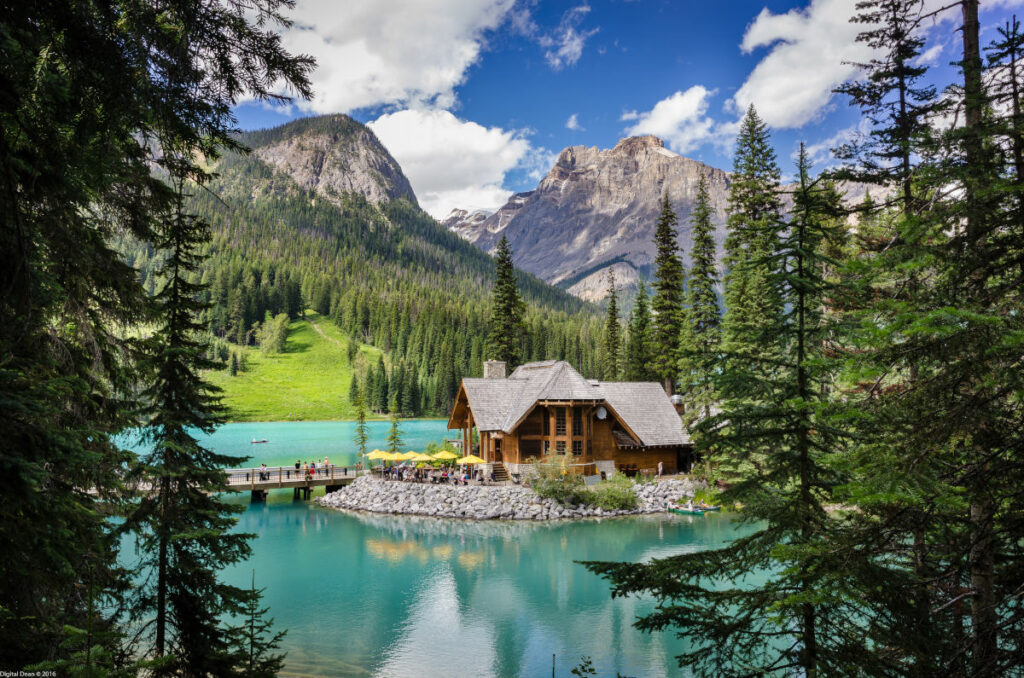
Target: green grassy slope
column 308, row 382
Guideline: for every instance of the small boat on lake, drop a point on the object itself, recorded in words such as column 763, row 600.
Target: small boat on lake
column 257, row 442
column 685, row 510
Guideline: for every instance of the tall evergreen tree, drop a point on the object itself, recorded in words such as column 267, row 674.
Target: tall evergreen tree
column 638, row 356
column 353, row 388
column 73, row 177
column 751, row 302
column 702, row 326
column 797, row 617
column 185, row 529
column 938, row 440
column 361, row 436
column 94, row 100
column 612, row 341
column 667, row 303
column 505, row 337
column 395, row 441
column 892, row 95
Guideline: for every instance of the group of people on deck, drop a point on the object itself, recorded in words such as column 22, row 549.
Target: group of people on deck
column 431, row 475
column 310, row 468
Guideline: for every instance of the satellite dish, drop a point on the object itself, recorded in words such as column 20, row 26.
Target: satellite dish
column 601, row 412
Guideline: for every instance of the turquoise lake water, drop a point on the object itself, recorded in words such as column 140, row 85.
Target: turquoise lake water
column 313, row 440
column 411, row 597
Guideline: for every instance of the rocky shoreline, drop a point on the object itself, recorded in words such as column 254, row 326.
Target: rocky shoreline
column 475, row 502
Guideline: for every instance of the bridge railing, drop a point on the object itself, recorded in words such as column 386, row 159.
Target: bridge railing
column 252, row 477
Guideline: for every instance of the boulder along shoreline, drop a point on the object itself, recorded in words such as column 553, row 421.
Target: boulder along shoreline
column 487, row 502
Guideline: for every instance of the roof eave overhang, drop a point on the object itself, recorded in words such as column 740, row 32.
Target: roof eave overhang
column 452, row 424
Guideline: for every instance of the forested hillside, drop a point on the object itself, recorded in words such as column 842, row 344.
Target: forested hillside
column 388, row 275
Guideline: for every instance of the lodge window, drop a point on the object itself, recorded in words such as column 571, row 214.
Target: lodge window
column 547, row 446
column 577, row 447
column 560, row 421
column 560, row 447
column 577, row 421
column 547, row 422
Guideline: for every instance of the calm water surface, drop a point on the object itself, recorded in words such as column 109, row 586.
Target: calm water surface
column 289, row 441
column 411, row 597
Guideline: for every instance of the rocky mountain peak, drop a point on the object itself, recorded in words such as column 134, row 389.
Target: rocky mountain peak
column 596, row 209
column 634, row 145
column 333, row 155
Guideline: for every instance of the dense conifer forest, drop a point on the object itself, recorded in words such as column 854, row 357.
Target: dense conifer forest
column 389, row 276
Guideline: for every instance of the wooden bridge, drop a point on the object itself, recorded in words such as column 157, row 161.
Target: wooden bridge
column 259, row 481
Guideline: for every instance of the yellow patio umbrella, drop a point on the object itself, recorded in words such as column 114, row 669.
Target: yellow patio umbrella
column 444, row 455
column 422, row 457
column 471, row 459
column 407, row 456
column 393, row 456
column 376, row 454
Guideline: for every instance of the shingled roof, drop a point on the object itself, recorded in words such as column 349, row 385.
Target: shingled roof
column 500, row 404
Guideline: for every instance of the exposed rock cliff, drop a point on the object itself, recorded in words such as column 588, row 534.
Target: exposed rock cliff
column 333, row 155
column 598, row 208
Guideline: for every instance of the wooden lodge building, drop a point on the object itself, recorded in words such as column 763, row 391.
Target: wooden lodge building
column 547, row 408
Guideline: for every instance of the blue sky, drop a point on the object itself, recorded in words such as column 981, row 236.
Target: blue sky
column 475, row 98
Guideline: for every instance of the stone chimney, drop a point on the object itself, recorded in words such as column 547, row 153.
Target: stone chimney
column 494, row 369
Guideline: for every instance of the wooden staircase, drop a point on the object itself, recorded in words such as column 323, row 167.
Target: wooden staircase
column 500, row 472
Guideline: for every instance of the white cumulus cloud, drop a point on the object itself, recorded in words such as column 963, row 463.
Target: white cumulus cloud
column 811, row 54
column 680, row 120
column 573, row 123
column 812, row 50
column 380, row 52
column 451, row 162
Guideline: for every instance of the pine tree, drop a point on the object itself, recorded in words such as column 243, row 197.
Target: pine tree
column 394, row 435
column 891, row 93
column 612, row 342
column 185, row 529
column 937, row 453
column 353, row 388
column 361, row 435
column 256, row 640
column 751, row 302
column 505, row 336
column 702, row 326
column 667, row 303
column 796, row 617
column 73, row 178
column 380, row 386
column 638, row 358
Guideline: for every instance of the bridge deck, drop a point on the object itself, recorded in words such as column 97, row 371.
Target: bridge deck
column 242, row 479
